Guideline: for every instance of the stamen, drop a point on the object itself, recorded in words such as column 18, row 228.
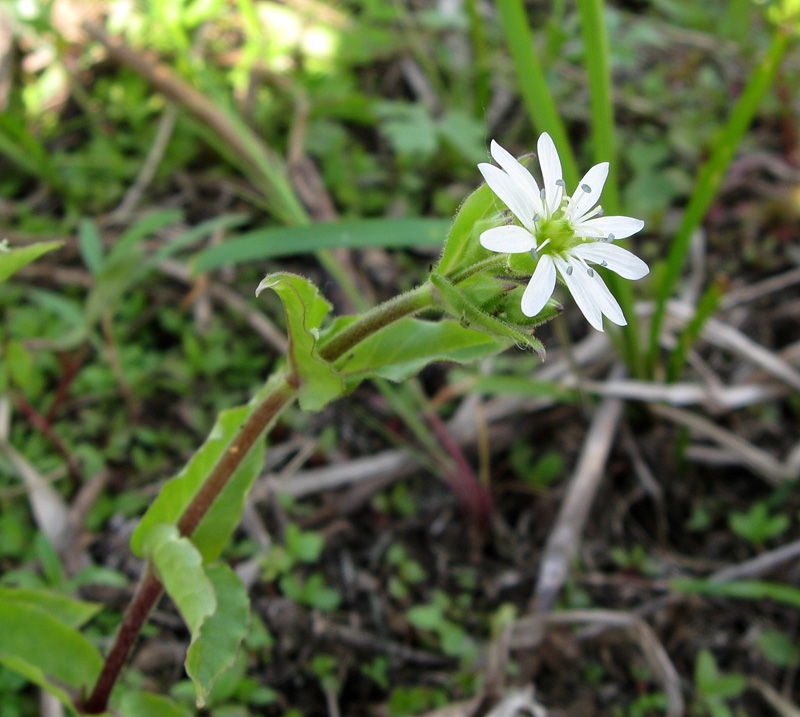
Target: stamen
column 542, row 193
column 535, row 253
column 569, row 270
column 536, row 217
column 611, row 237
column 604, row 263
column 586, row 188
column 560, row 183
column 590, row 272
column 600, row 211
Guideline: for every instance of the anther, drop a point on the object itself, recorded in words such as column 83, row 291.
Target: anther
column 560, row 183
column 586, row 188
column 569, row 271
column 541, row 194
column 604, row 263
column 611, row 237
column 536, row 217
column 534, row 253
column 590, row 272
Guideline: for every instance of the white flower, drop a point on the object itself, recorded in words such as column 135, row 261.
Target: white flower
column 565, row 234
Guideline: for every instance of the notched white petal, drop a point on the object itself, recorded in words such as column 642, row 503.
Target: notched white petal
column 588, row 192
column 619, row 260
column 519, row 174
column 508, row 240
column 620, row 227
column 540, row 287
column 508, row 192
column 606, row 301
column 552, row 175
column 581, row 286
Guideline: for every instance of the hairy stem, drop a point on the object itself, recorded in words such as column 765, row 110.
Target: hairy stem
column 266, row 412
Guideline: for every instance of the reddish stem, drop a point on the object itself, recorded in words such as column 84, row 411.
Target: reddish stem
column 150, row 588
column 42, row 424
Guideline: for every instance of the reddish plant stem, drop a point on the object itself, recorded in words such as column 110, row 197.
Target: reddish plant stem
column 44, row 425
column 150, row 587
column 70, row 367
column 146, row 595
column 259, row 420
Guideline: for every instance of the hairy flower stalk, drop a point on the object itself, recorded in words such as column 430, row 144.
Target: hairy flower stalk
column 563, row 234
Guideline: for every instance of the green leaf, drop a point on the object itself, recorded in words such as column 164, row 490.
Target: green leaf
column 71, row 612
column 180, row 569
column 222, row 518
column 12, row 260
column 91, row 246
column 216, row 648
column 124, row 265
column 305, row 309
column 147, row 704
column 45, row 650
column 458, row 304
column 352, row 233
column 743, row 589
column 408, row 345
column 462, row 248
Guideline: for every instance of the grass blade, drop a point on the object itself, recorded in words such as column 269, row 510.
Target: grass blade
column 532, row 83
column 288, row 241
column 712, row 174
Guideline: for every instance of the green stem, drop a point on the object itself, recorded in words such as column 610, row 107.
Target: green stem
column 284, row 392
column 412, row 302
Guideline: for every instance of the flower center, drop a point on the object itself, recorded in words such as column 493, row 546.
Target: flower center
column 559, row 231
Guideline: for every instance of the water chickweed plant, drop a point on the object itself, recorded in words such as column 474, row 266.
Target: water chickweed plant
column 521, row 249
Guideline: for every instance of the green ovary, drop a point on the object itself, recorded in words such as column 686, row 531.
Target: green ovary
column 560, row 233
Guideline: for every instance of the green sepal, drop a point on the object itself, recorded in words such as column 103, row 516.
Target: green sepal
column 462, row 247
column 318, row 382
column 458, row 305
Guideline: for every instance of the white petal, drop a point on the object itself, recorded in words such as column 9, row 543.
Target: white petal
column 608, row 304
column 551, row 171
column 508, row 240
column 582, row 200
column 509, row 193
column 582, row 288
column 518, row 174
column 623, row 262
column 620, row 227
column 540, row 287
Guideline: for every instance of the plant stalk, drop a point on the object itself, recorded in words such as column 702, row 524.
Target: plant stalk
column 150, row 588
